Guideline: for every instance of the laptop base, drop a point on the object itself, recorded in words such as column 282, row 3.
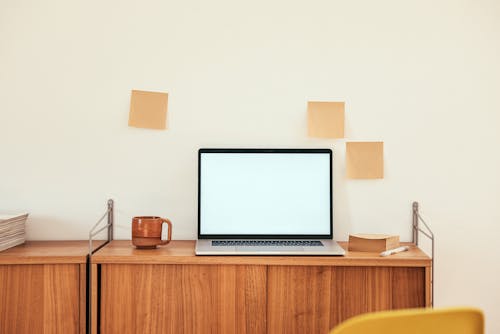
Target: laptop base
column 329, row 248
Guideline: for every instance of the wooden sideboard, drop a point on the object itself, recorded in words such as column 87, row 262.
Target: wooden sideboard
column 43, row 287
column 170, row 290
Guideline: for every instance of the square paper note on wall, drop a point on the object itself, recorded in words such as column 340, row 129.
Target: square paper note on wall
column 148, row 110
column 365, row 160
column 325, row 119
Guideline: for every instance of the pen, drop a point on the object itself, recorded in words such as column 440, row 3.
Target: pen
column 394, row 251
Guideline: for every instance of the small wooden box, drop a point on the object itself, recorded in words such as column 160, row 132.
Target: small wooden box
column 372, row 242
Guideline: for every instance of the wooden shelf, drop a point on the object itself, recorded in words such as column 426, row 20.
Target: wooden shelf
column 46, row 252
column 182, row 252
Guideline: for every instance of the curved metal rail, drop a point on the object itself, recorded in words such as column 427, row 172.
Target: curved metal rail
column 417, row 218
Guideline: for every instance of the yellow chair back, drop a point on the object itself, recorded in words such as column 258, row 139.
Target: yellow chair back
column 462, row 320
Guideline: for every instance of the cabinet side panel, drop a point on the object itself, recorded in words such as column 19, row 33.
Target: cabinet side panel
column 93, row 298
column 21, row 299
column 408, row 287
column 298, row 299
column 428, row 287
column 83, row 297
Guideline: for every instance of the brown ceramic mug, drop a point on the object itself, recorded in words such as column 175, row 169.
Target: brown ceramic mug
column 146, row 231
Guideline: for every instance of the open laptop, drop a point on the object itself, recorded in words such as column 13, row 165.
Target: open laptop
column 265, row 202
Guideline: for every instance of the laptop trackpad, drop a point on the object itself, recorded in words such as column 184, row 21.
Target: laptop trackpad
column 270, row 249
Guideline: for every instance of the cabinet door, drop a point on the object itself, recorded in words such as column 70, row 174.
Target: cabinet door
column 40, row 298
column 183, row 299
column 298, row 299
column 357, row 290
column 409, row 288
column 309, row 299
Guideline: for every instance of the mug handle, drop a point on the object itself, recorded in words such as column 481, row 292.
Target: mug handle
column 169, row 223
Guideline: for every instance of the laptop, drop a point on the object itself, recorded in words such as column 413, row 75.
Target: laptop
column 265, row 202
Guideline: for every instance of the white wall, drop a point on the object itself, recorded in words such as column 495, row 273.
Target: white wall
column 423, row 76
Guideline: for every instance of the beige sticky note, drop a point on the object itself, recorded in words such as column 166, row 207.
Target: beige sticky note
column 325, row 119
column 148, row 110
column 365, row 160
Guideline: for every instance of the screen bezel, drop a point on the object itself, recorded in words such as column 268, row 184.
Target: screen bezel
column 264, row 151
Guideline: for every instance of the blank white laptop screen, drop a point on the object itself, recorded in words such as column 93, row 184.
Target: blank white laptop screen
column 273, row 193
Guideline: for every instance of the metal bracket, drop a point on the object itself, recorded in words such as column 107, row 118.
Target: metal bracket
column 429, row 234
column 109, row 214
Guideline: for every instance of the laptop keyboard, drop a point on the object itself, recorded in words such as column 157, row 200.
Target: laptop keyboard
column 278, row 243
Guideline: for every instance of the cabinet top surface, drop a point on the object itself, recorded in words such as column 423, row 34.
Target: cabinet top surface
column 182, row 252
column 46, row 252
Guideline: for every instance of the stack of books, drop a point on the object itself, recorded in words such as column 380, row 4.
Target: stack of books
column 12, row 230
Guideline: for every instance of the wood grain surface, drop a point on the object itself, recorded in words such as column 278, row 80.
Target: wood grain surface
column 408, row 286
column 171, row 290
column 315, row 299
column 182, row 252
column 83, row 297
column 183, row 299
column 45, row 252
column 298, row 299
column 93, row 297
column 43, row 287
column 357, row 290
column 40, row 298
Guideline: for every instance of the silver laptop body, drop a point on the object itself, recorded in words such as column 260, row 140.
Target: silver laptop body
column 265, row 202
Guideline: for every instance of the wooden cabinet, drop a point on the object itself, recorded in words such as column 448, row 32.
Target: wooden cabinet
column 313, row 299
column 170, row 290
column 43, row 287
column 182, row 298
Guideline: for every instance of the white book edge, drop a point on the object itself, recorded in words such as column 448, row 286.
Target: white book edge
column 11, row 244
column 9, row 217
